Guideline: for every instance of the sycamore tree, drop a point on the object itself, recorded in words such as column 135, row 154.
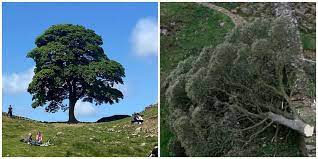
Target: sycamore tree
column 71, row 64
column 222, row 101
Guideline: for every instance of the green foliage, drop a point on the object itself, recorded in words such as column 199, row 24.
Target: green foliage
column 176, row 148
column 111, row 139
column 308, row 40
column 190, row 27
column 71, row 64
column 253, row 71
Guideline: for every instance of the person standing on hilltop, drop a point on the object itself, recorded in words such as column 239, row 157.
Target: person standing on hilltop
column 10, row 111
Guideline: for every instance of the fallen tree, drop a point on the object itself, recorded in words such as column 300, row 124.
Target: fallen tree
column 228, row 95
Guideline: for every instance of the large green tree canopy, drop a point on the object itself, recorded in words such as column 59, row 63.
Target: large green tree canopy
column 71, row 64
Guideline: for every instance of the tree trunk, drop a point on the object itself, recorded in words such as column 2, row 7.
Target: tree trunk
column 296, row 124
column 71, row 116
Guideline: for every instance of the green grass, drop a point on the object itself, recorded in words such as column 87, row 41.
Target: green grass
column 228, row 5
column 190, row 28
column 308, row 40
column 84, row 139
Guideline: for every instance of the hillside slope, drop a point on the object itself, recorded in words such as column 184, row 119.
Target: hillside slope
column 116, row 138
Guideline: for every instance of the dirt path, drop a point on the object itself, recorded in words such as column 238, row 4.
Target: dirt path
column 237, row 20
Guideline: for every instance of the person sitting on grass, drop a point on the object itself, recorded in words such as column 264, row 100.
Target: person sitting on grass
column 139, row 119
column 27, row 139
column 136, row 118
column 39, row 138
column 37, row 142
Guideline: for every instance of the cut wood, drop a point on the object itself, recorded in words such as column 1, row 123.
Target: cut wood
column 295, row 124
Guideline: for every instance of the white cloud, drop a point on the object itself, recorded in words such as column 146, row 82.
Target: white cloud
column 84, row 109
column 17, row 82
column 145, row 37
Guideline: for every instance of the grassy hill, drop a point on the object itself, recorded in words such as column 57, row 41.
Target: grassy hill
column 116, row 138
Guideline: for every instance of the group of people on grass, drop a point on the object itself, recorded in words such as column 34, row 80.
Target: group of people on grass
column 136, row 118
column 29, row 140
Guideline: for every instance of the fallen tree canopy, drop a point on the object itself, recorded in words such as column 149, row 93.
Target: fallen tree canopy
column 224, row 98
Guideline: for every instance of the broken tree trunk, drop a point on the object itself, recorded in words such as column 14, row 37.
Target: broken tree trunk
column 295, row 124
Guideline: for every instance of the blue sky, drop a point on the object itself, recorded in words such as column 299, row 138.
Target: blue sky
column 129, row 32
